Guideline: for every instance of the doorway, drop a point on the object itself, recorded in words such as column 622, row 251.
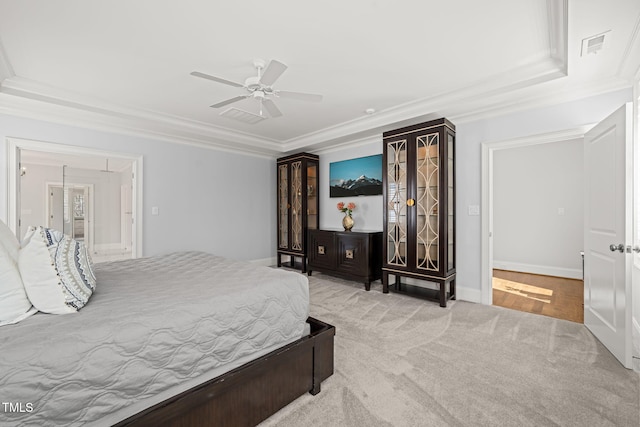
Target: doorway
column 80, row 192
column 488, row 215
column 538, row 228
column 70, row 210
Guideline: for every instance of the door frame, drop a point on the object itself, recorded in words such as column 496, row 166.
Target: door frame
column 88, row 188
column 15, row 145
column 488, row 150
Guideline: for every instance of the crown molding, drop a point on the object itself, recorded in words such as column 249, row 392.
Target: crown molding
column 22, row 97
column 558, row 21
column 483, row 91
column 6, row 71
column 544, row 97
column 630, row 63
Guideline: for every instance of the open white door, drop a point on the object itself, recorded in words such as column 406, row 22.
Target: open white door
column 608, row 234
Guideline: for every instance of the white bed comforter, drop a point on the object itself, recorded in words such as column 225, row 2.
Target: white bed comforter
column 154, row 327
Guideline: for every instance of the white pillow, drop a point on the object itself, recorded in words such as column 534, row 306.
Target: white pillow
column 9, row 241
column 14, row 304
column 56, row 271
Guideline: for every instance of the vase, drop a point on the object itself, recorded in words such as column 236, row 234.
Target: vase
column 347, row 222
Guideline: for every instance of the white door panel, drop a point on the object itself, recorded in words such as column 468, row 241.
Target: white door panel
column 607, row 279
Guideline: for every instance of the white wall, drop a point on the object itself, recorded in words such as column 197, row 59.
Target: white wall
column 369, row 209
column 209, row 200
column 538, row 209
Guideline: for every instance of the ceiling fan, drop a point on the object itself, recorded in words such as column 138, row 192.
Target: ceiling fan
column 259, row 87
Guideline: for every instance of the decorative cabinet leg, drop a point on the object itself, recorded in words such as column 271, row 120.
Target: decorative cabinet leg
column 304, row 265
column 367, row 286
column 443, row 294
column 452, row 289
column 385, row 282
column 279, row 258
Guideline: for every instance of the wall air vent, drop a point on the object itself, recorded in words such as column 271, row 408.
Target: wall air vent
column 242, row 116
column 595, row 43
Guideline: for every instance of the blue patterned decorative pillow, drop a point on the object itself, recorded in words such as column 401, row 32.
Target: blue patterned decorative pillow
column 56, row 271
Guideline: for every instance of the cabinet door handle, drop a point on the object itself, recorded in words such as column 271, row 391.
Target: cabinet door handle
column 411, row 202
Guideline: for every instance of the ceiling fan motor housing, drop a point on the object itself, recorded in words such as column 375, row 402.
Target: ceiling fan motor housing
column 252, row 83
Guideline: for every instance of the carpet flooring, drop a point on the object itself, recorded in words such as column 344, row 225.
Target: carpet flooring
column 402, row 361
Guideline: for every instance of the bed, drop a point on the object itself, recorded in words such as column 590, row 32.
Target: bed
column 186, row 338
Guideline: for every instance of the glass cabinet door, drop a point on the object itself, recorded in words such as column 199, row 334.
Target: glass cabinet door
column 396, row 155
column 296, row 206
column 451, row 197
column 312, row 196
column 427, row 201
column 283, row 207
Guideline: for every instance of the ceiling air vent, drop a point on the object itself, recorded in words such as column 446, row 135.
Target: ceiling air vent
column 242, row 116
column 595, row 43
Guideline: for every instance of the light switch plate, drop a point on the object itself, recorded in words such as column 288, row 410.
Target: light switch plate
column 474, row 210
column 155, row 210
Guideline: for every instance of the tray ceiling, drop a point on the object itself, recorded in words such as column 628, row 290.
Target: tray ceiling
column 125, row 66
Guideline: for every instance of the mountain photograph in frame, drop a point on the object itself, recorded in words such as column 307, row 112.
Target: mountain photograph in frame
column 356, row 177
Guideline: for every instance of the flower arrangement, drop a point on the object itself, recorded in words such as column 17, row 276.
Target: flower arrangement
column 346, row 209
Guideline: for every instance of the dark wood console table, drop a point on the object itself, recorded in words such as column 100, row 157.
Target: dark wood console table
column 353, row 255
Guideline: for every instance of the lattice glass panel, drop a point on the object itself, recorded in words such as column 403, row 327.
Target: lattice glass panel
column 283, row 207
column 451, row 197
column 397, row 202
column 296, row 206
column 427, row 202
column 312, row 196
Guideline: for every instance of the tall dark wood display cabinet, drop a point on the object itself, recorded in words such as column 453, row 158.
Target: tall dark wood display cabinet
column 419, row 213
column 298, row 206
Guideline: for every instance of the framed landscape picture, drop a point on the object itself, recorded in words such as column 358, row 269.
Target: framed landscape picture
column 356, row 177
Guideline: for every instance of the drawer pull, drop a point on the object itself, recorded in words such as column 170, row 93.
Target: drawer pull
column 321, row 250
column 348, row 254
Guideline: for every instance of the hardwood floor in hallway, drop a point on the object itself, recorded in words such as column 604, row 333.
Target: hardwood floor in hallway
column 547, row 295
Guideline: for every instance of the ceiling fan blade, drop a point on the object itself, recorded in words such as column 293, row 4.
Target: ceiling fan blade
column 271, row 108
column 272, row 72
column 299, row 95
column 229, row 101
column 215, row 79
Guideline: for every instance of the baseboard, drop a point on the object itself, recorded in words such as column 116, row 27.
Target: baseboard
column 468, row 294
column 107, row 247
column 635, row 339
column 569, row 273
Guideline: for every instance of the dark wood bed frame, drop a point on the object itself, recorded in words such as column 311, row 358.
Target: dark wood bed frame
column 253, row 392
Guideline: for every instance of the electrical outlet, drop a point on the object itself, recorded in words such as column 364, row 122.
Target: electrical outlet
column 474, row 210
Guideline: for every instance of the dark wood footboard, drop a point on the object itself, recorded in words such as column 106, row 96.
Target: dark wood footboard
column 251, row 393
